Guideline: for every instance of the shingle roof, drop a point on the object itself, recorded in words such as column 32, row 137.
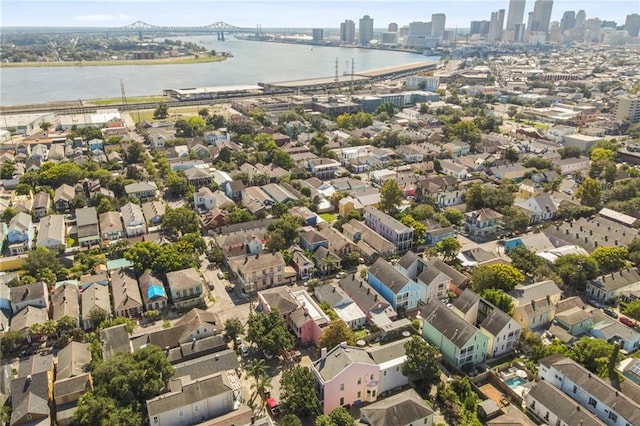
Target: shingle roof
column 280, row 298
column 184, row 279
column 124, row 290
column 617, row 280
column 65, row 301
column 114, row 340
column 408, row 259
column 566, row 409
column 30, row 395
column 73, row 360
column 526, row 293
column 339, row 358
column 393, row 279
column 451, row 326
column 495, row 322
column 401, row 409
column 208, row 364
column 466, row 300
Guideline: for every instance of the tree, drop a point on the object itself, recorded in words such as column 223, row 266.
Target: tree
column 143, row 255
column 134, row 153
column 589, row 192
column 337, row 332
column 449, row 248
column 338, row 417
column 11, row 339
column 591, row 353
column 279, row 209
column 514, row 219
column 350, row 260
column 45, row 125
column 39, row 259
column 54, row 175
column 422, row 361
column 96, row 410
column 511, row 154
column 233, row 328
column 632, row 309
column 203, row 112
column 454, row 216
column 610, row 259
column 290, row 420
column 180, row 221
column 390, row 197
column 105, row 205
column 8, row 214
column 524, row 259
column 599, row 154
column 282, row 159
column 269, row 332
column 499, row 298
column 216, row 121
column 161, row 112
column 497, row 276
column 7, row 170
column 298, row 392
column 575, row 270
column 276, row 240
column 177, row 184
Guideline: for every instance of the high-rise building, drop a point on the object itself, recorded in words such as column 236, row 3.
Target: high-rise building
column 581, row 19
column 419, row 34
column 479, row 27
column 628, row 109
column 393, row 28
column 541, row 16
column 568, row 21
column 632, row 24
column 437, row 24
column 390, row 38
column 348, row 31
column 518, row 32
column 495, row 26
column 365, row 29
column 318, row 34
column 515, row 15
column 593, row 30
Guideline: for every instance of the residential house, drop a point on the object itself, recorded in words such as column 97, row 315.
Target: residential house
column 100, row 278
column 502, row 331
column 301, row 263
column 20, row 234
column 94, row 298
column 606, row 288
column 309, row 218
column 326, row 261
column 338, row 243
column 63, row 197
column 451, row 168
column 391, row 229
column 347, row 374
column 133, row 219
column 66, row 393
column 278, row 193
column 591, row 233
column 323, row 168
column 396, row 288
column 612, row 331
column 311, row 239
column 185, row 288
column 308, row 320
column 87, row 222
column 460, row 343
column 41, row 205
column 51, row 233
column 154, row 296
column 539, row 208
column 402, row 409
column 65, row 301
column 144, row 191
column 198, row 176
column 153, row 212
column 36, row 295
column 534, row 304
column 27, row 317
column 378, row 311
column 260, row 271
column 31, row 396
column 192, row 401
column 551, row 406
column 457, row 148
column 234, row 190
column 367, row 240
column 482, row 223
column 346, row 309
column 127, row 301
column 204, row 199
column 436, row 282
column 570, row 166
column 590, row 391
column 111, row 226
column 576, row 321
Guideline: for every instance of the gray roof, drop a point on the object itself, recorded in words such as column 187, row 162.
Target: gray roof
column 331, row 294
column 30, row 395
column 51, row 227
column 41, row 200
column 93, row 297
column 387, row 220
column 28, row 317
column 495, row 322
column 148, row 280
column 136, row 187
column 280, row 298
column 196, row 391
column 184, row 279
column 28, row 292
column 199, row 347
column 20, row 222
column 389, row 351
column 35, row 364
column 617, row 280
column 600, row 390
column 110, row 222
column 526, row 293
column 365, row 296
column 64, row 192
column 114, row 340
column 512, row 418
column 401, row 409
column 86, row 216
column 124, row 290
column 393, row 279
column 73, row 360
column 567, row 410
column 591, row 233
column 458, row 278
column 408, row 259
column 208, row 364
column 451, row 326
column 72, row 385
column 466, row 300
column 339, row 358
column 132, row 214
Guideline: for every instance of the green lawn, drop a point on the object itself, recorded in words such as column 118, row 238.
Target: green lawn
column 329, row 217
column 361, row 333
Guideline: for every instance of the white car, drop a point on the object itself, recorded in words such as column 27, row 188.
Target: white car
column 244, row 350
column 221, row 275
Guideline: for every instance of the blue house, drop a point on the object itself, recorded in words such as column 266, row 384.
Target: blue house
column 396, row 288
column 20, row 233
column 435, row 235
column 311, row 240
column 96, row 144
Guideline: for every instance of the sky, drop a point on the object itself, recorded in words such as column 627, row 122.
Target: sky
column 279, row 14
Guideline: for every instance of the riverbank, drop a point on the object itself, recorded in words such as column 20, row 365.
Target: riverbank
column 313, row 43
column 164, row 61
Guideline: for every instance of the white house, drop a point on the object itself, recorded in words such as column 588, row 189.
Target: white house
column 51, row 232
column 549, row 405
column 454, row 169
column 133, row 218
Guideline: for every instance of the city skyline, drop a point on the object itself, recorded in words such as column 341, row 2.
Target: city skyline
column 282, row 14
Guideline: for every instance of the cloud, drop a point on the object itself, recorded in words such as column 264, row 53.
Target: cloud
column 103, row 17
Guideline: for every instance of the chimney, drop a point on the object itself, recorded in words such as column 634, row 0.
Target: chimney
column 368, row 291
column 334, row 290
column 533, row 304
column 590, row 231
column 323, row 353
column 580, row 228
column 606, row 238
column 616, row 242
column 343, row 345
column 375, row 298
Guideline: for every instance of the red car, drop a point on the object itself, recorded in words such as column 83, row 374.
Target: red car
column 274, row 408
column 626, row 321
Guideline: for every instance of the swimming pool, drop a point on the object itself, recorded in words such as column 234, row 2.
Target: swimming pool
column 514, row 382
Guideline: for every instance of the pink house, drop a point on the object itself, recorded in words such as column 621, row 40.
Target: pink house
column 349, row 375
column 305, row 318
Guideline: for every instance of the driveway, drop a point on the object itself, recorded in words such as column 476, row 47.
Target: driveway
column 227, row 305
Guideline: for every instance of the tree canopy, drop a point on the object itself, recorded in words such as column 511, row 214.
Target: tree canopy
column 269, row 332
column 390, row 197
column 422, row 361
column 575, row 270
column 337, row 332
column 449, row 248
column 499, row 298
column 298, row 392
column 497, row 276
column 179, row 221
column 610, row 259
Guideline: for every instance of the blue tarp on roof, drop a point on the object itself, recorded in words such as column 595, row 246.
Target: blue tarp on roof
column 156, row 291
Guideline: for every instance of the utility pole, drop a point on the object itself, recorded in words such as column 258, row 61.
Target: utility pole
column 351, row 83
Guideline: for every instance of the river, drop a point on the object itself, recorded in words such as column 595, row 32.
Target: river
column 252, row 62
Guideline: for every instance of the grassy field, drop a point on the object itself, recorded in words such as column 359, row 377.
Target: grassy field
column 168, row 61
column 329, row 217
column 175, row 114
column 133, row 100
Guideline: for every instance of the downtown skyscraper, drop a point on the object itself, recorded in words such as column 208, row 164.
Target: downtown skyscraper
column 348, row 31
column 365, row 30
column 515, row 15
column 541, row 17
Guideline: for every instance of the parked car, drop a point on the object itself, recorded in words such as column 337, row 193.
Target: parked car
column 221, row 275
column 610, row 312
column 594, row 303
column 626, row 321
column 244, row 350
column 274, row 408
